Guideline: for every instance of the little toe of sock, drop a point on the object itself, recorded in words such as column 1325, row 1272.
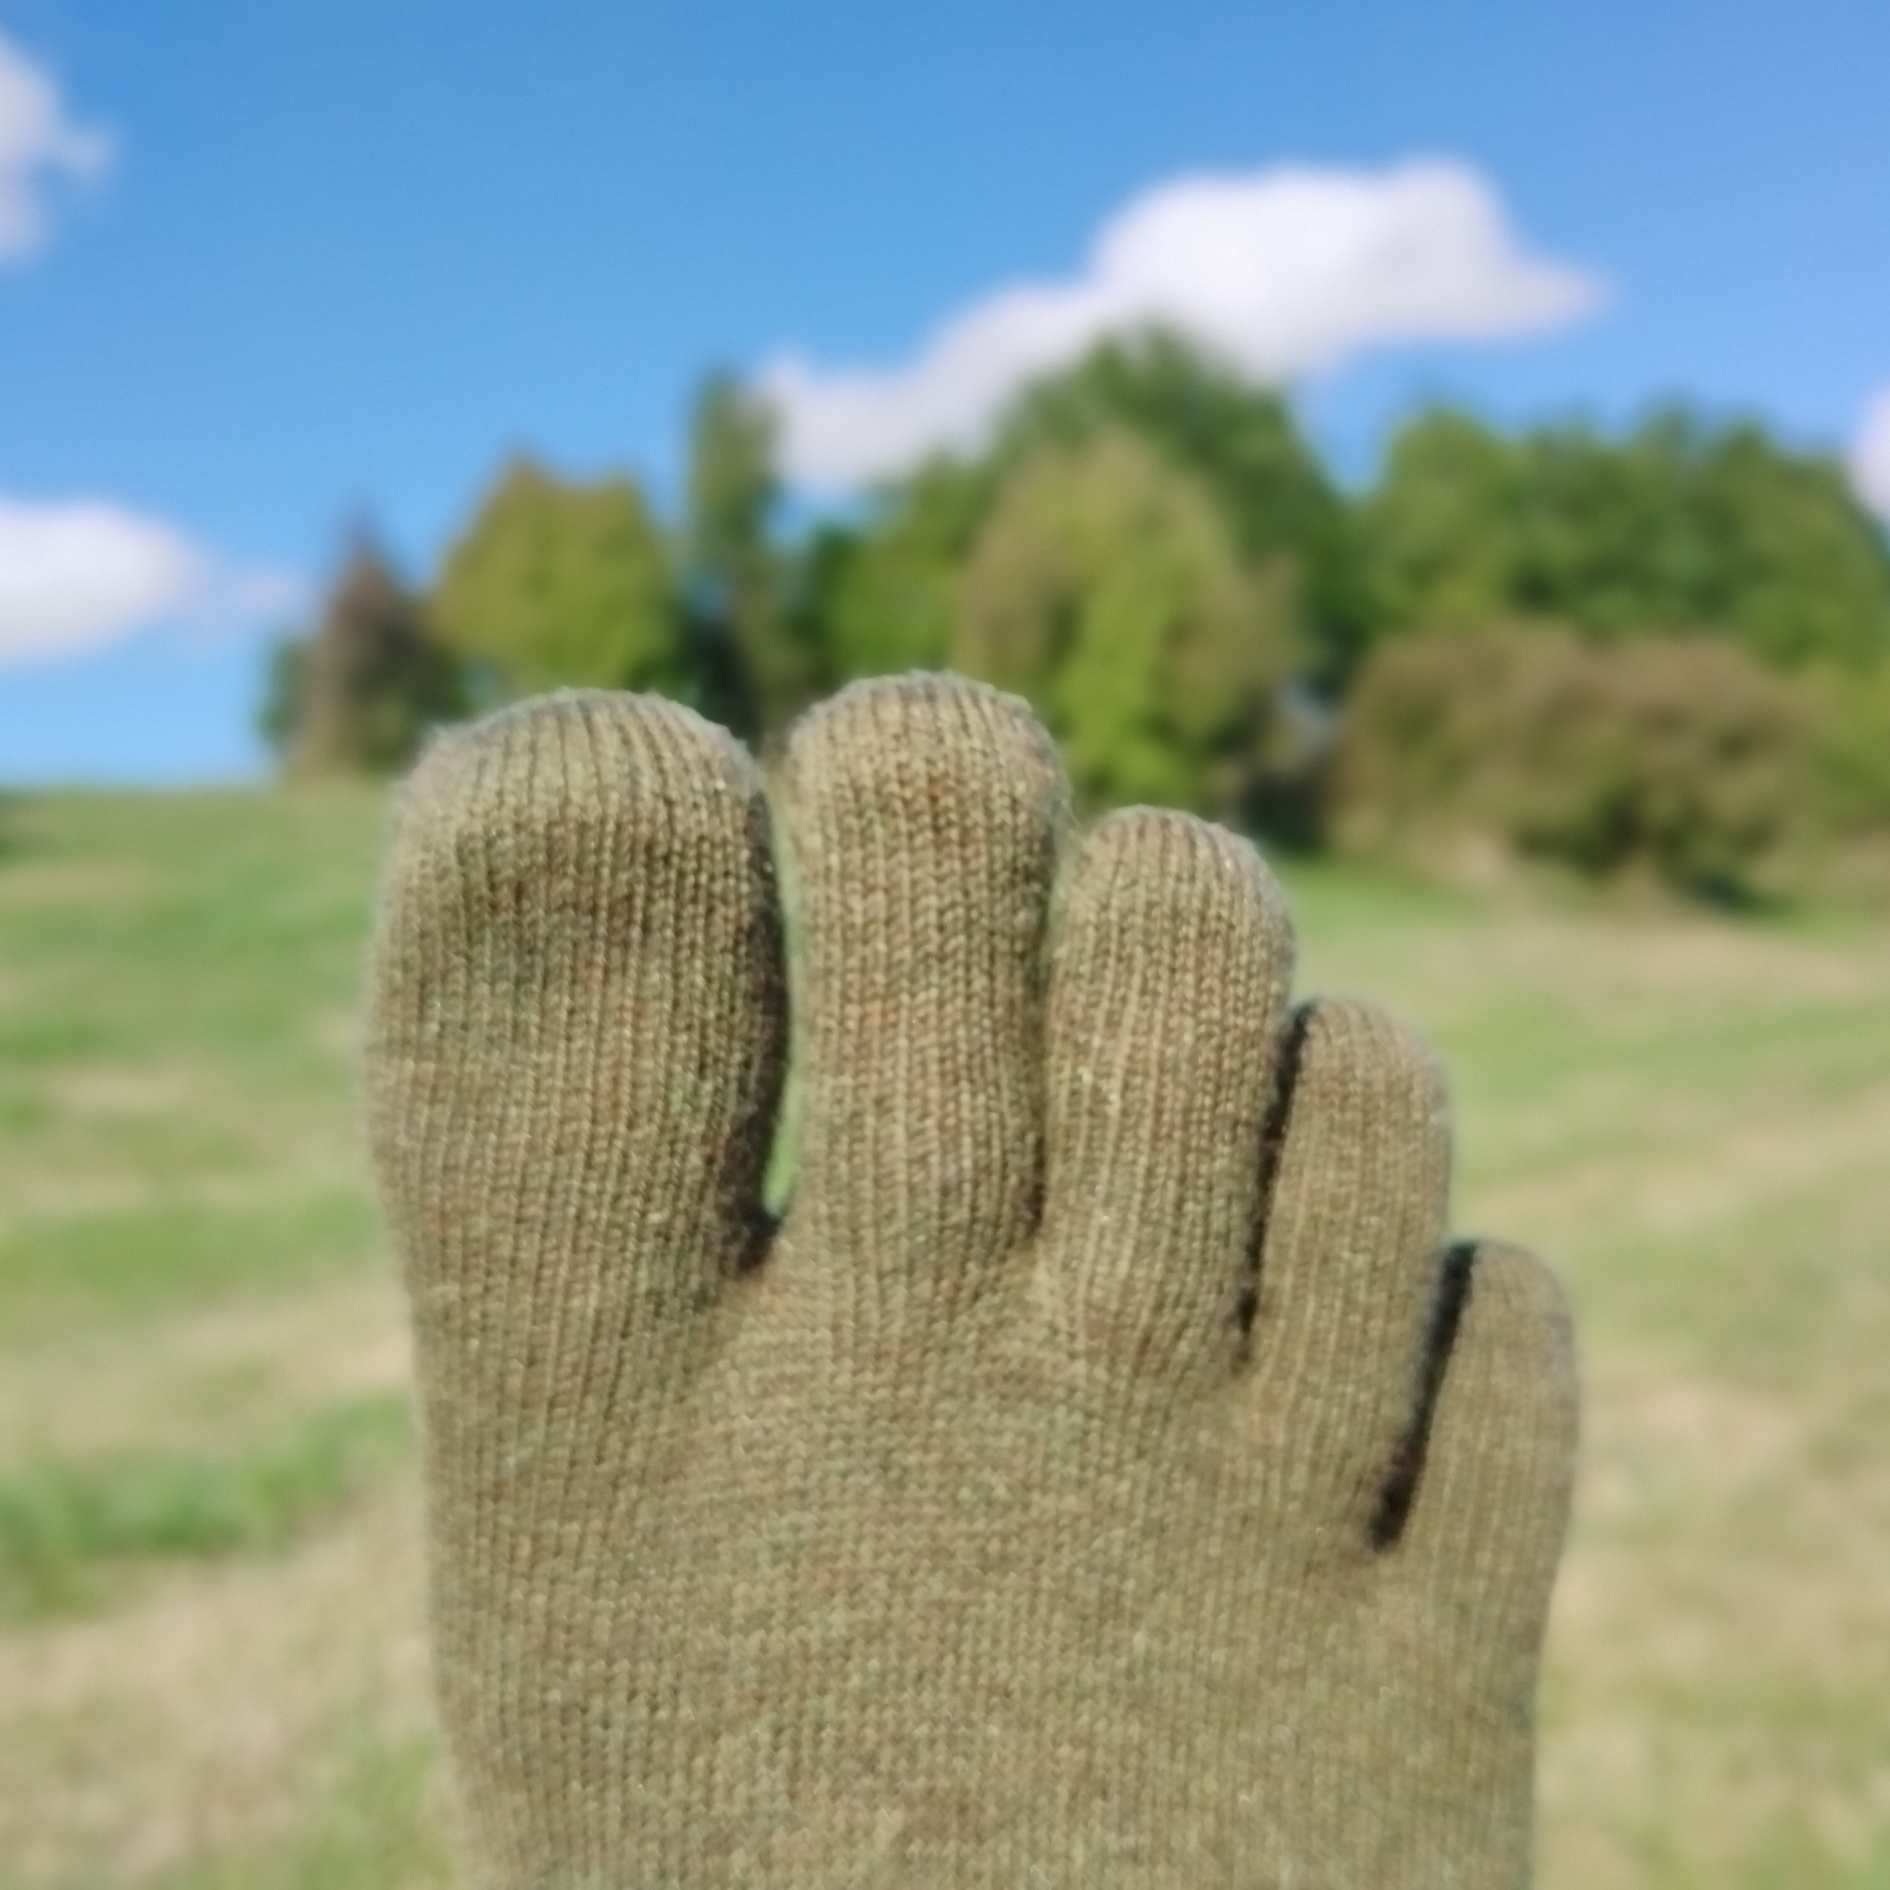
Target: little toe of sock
column 1477, row 1505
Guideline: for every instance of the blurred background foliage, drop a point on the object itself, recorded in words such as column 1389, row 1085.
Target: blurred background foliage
column 1660, row 655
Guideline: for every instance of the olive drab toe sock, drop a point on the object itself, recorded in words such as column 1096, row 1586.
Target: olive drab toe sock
column 1105, row 1474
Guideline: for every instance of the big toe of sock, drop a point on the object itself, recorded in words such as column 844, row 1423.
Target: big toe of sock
column 575, row 1031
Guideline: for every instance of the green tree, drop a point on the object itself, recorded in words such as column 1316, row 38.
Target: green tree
column 1438, row 529
column 818, row 573
column 1105, row 587
column 358, row 693
column 1676, row 526
column 1243, row 446
column 561, row 581
column 891, row 591
column 749, row 643
column 895, row 604
column 1787, row 555
column 733, row 486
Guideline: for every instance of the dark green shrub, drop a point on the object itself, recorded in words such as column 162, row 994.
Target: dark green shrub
column 1680, row 758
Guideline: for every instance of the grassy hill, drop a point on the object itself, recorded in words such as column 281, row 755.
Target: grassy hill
column 211, row 1668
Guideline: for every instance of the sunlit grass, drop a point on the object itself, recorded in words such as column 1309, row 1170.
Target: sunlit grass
column 70, row 1526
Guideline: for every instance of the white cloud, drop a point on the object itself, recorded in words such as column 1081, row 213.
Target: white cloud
column 1286, row 271
column 40, row 145
column 77, row 575
column 1870, row 453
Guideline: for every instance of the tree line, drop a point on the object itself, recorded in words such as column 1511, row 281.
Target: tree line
column 1660, row 651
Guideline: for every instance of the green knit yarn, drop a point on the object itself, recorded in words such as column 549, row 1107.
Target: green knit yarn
column 1104, row 1476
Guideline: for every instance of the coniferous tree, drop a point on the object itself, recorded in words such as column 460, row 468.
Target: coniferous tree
column 751, row 671
column 359, row 692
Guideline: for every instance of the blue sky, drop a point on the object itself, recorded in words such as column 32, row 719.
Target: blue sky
column 264, row 266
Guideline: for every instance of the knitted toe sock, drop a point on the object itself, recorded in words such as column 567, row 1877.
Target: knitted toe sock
column 1104, row 1476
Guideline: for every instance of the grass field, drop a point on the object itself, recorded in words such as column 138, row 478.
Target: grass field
column 211, row 1667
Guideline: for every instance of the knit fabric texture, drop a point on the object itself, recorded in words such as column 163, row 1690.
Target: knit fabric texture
column 1104, row 1474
